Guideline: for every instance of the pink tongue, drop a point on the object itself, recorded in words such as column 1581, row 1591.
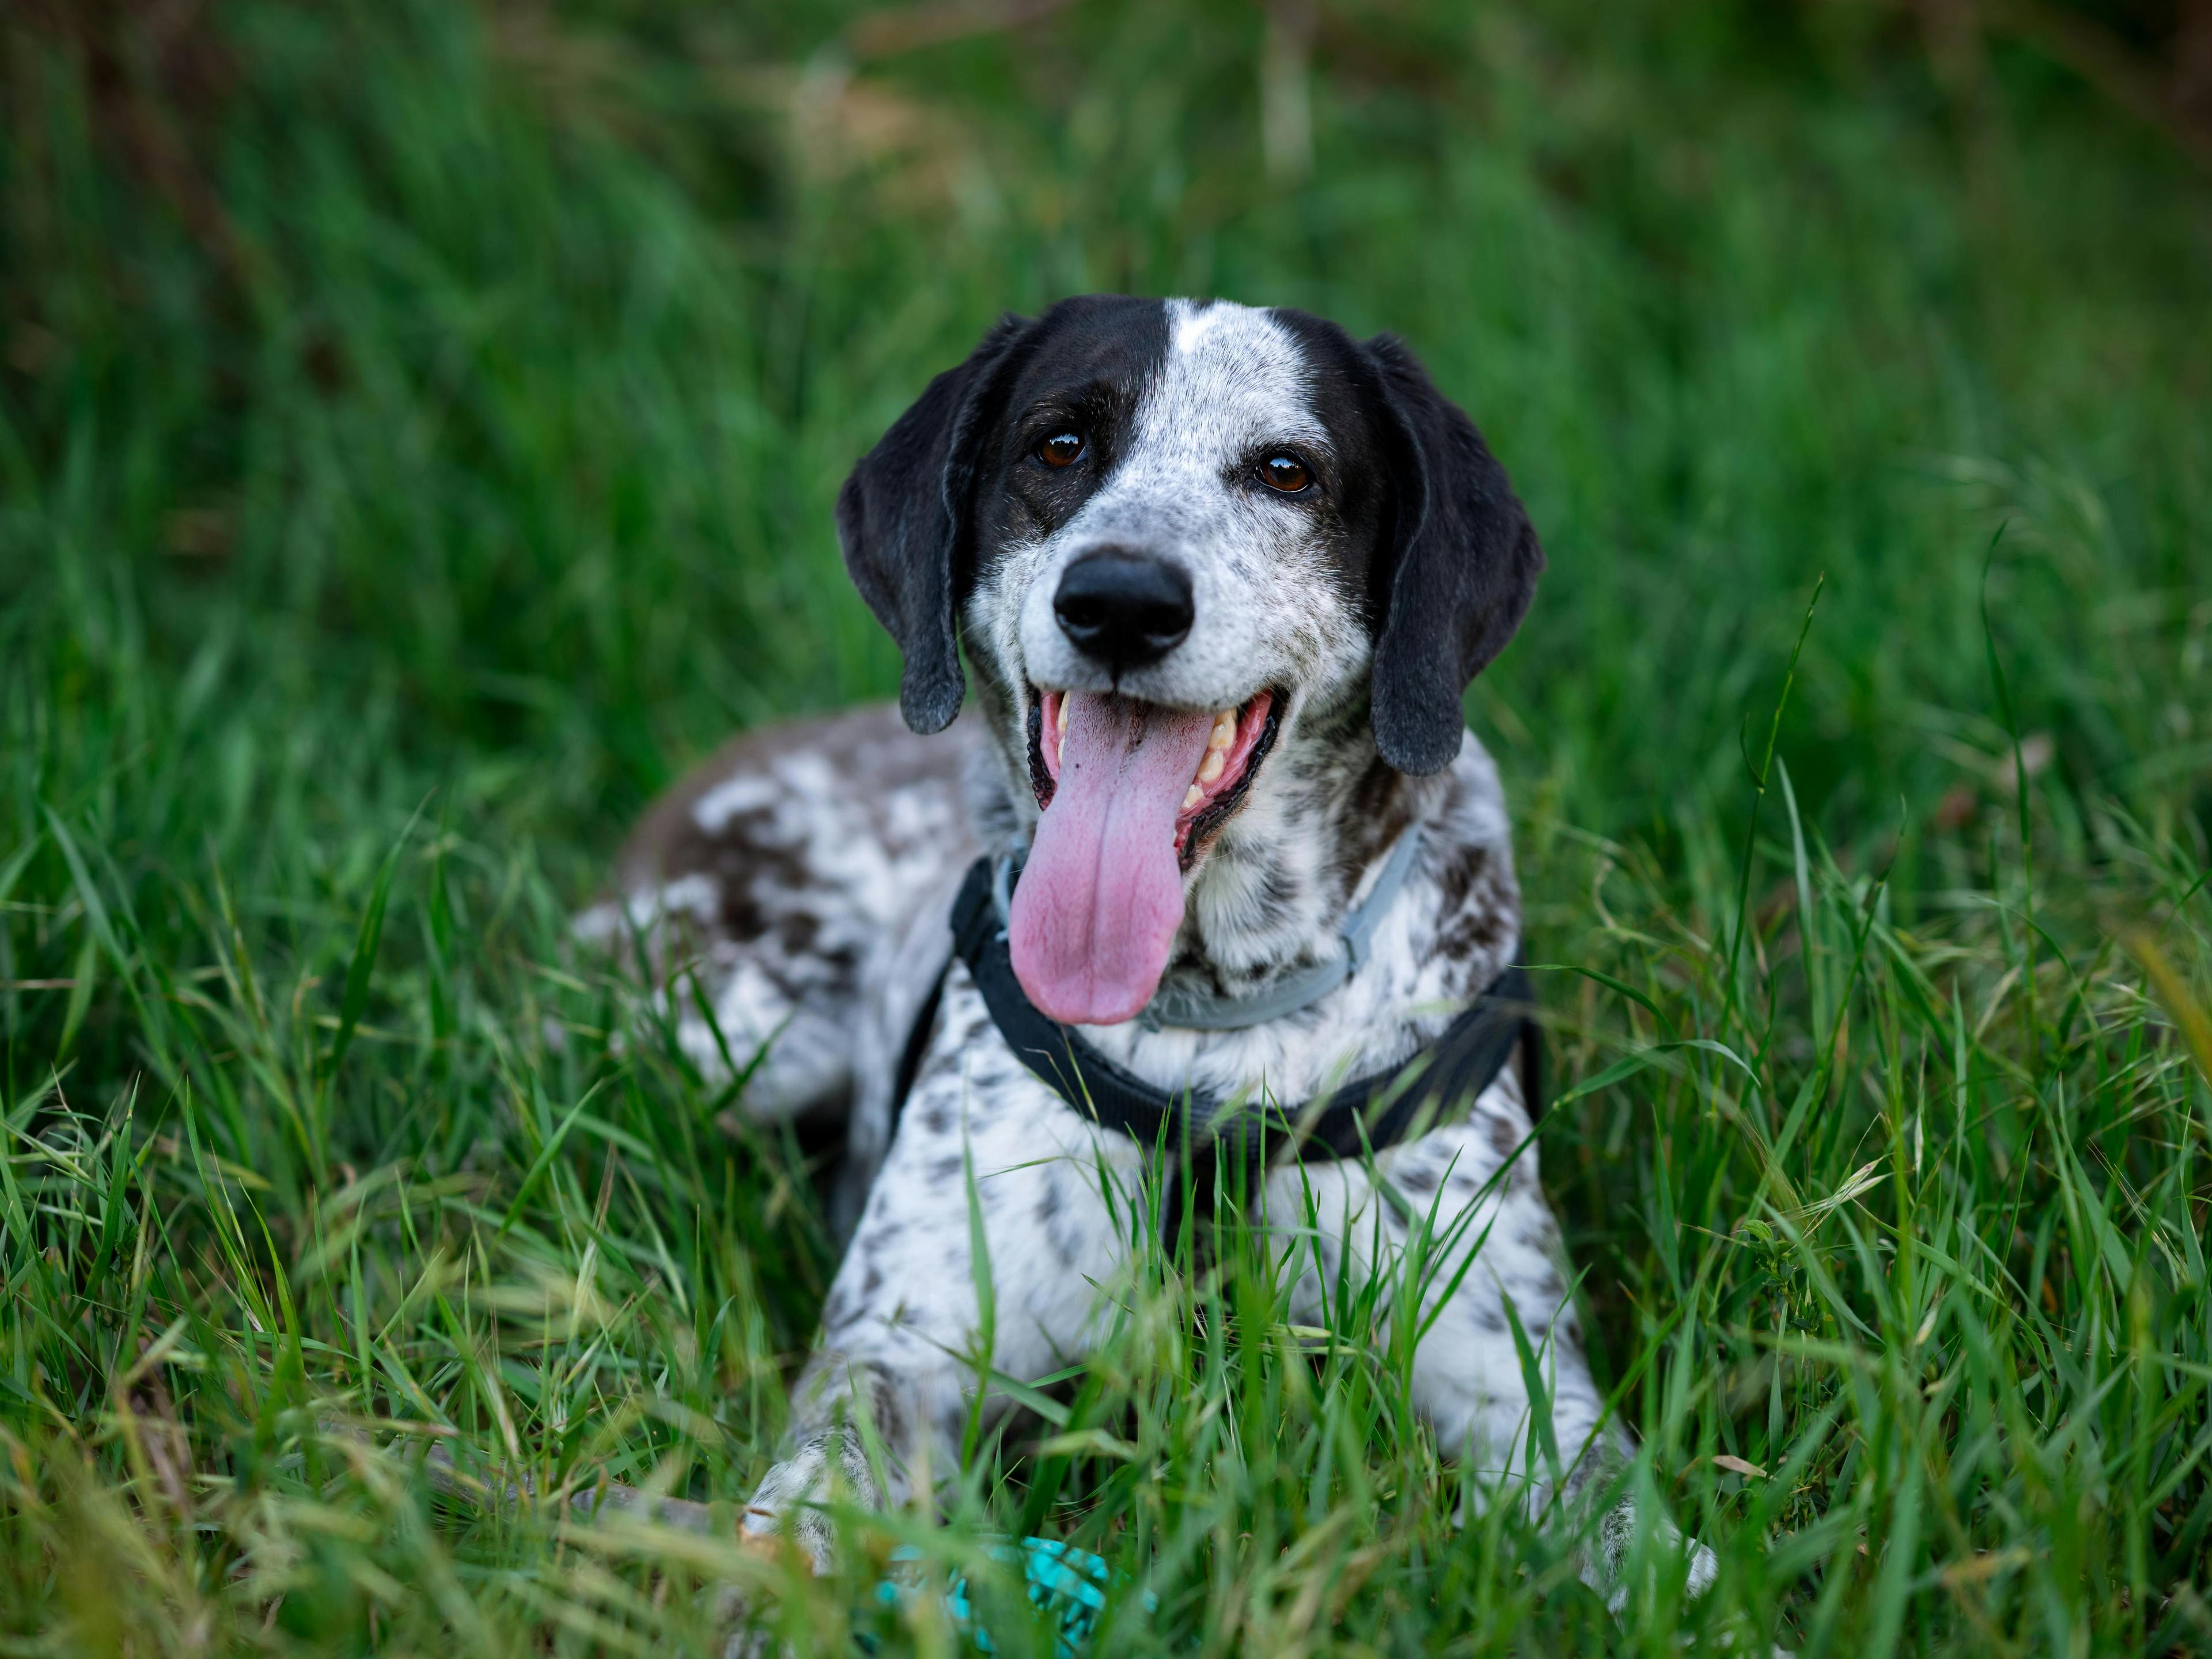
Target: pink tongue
column 1101, row 896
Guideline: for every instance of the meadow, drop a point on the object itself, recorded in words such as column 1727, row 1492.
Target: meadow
column 418, row 428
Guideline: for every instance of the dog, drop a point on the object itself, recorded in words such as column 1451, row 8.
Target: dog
column 1221, row 576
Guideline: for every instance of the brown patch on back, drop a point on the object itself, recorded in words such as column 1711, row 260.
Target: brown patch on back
column 869, row 748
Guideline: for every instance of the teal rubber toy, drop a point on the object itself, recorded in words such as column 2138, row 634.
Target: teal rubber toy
column 1065, row 1585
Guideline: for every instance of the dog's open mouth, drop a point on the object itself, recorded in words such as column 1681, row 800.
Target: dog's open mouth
column 1131, row 792
column 1237, row 741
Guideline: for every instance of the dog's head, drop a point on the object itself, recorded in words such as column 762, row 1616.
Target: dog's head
column 1179, row 540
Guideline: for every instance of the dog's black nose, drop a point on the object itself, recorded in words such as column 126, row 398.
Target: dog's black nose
column 1123, row 609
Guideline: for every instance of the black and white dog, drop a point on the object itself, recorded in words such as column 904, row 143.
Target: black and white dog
column 1222, row 576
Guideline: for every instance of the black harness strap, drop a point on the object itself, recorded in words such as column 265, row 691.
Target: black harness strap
column 1210, row 1139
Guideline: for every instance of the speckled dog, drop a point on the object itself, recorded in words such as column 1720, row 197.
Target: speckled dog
column 1222, row 576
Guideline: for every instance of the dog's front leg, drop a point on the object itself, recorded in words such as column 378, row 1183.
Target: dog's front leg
column 1525, row 1411
column 827, row 1457
column 1522, row 1414
column 903, row 1330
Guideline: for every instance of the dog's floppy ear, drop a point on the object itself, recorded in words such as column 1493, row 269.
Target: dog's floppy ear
column 1458, row 575
column 903, row 520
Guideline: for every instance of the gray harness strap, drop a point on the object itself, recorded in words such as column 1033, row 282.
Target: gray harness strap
column 1201, row 1010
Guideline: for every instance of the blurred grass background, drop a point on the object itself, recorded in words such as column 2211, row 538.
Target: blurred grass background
column 418, row 428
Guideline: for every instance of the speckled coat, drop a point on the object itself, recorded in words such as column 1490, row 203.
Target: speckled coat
column 803, row 877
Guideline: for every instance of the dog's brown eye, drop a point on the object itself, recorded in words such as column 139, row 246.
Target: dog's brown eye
column 1060, row 448
column 1286, row 473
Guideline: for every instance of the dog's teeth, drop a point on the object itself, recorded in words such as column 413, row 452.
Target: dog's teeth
column 1225, row 730
column 1210, row 767
column 1192, row 796
column 1063, row 714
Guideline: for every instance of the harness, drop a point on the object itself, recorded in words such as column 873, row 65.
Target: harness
column 1207, row 1141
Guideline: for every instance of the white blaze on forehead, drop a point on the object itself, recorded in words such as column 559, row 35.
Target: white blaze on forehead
column 1233, row 378
column 1189, row 321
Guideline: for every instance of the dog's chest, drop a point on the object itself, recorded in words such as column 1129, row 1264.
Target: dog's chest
column 1451, row 930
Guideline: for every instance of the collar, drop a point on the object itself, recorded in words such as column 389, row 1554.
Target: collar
column 1196, row 1009
column 1366, row 1115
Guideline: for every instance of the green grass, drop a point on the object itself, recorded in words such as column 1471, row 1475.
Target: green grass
column 373, row 543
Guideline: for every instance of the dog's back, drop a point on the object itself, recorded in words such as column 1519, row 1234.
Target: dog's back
column 767, row 887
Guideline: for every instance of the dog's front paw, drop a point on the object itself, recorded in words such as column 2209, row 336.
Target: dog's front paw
column 1606, row 1562
column 1704, row 1567
column 787, row 1510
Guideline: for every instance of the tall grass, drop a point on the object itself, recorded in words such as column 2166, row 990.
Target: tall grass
column 370, row 551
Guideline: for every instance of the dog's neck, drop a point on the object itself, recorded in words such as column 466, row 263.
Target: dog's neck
column 1270, row 897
